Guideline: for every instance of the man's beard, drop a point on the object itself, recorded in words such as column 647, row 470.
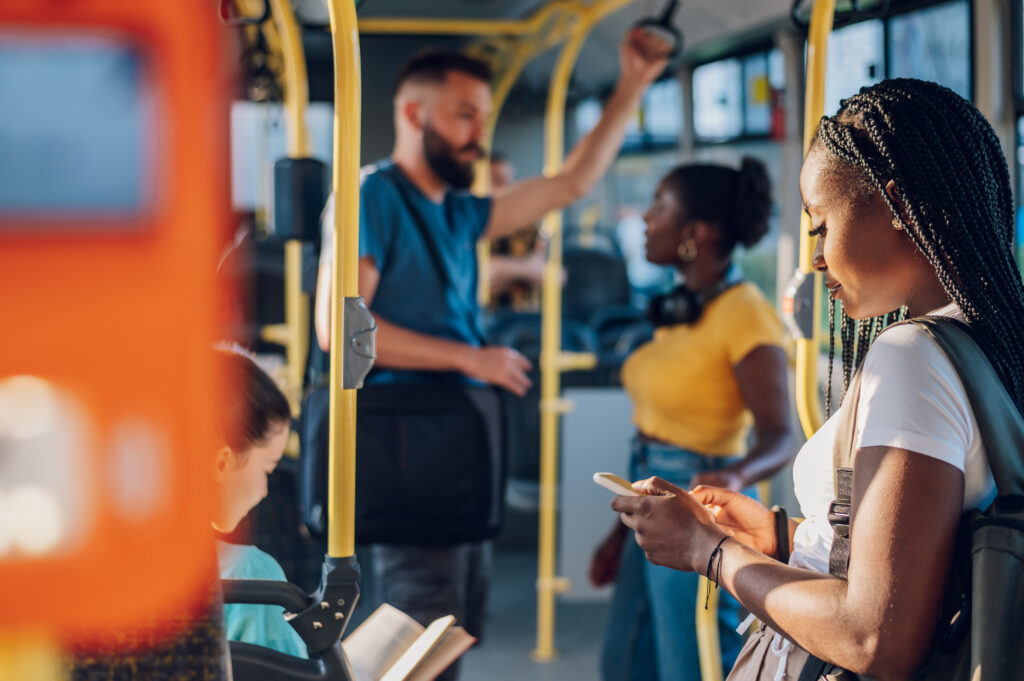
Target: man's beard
column 441, row 159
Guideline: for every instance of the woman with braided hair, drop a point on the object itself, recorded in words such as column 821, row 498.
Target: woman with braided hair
column 909, row 196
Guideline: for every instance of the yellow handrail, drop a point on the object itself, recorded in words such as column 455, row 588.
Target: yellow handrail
column 296, row 101
column 709, row 647
column 341, row 488
column 482, row 181
column 808, row 402
column 552, row 360
column 478, row 27
column 296, row 88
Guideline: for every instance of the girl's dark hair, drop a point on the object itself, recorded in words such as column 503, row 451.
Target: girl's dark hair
column 738, row 202
column 252, row 404
column 953, row 185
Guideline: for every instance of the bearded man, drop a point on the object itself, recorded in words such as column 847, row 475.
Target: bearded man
column 418, row 272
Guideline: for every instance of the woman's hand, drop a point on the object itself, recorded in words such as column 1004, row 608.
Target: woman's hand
column 604, row 564
column 672, row 527
column 742, row 518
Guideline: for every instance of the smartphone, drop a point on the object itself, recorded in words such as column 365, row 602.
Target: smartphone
column 612, row 482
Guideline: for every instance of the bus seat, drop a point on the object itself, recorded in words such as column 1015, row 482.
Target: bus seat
column 198, row 652
column 595, row 279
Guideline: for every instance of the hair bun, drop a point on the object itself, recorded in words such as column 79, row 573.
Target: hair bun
column 753, row 202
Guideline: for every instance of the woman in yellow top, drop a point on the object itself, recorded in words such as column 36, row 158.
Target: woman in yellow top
column 716, row 365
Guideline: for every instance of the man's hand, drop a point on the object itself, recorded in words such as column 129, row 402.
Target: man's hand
column 499, row 366
column 744, row 519
column 638, row 67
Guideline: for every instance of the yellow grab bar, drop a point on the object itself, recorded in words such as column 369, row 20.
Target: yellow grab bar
column 552, row 360
column 709, row 647
column 478, row 27
column 808, row 401
column 482, row 181
column 341, row 475
column 551, row 323
column 296, row 101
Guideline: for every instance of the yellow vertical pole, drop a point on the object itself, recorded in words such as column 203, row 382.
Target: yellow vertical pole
column 285, row 38
column 551, row 331
column 709, row 646
column 341, row 476
column 296, row 101
column 808, row 402
column 482, row 181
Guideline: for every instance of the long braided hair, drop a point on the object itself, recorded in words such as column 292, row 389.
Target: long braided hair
column 953, row 187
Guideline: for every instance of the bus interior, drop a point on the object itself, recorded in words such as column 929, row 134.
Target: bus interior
column 164, row 170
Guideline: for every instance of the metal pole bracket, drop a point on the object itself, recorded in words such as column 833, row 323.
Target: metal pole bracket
column 361, row 343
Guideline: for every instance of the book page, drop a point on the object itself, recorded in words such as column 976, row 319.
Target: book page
column 452, row 645
column 379, row 642
column 419, row 650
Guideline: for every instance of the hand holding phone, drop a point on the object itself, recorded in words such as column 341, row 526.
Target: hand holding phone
column 614, row 483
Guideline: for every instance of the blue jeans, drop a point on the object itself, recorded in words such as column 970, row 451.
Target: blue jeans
column 651, row 632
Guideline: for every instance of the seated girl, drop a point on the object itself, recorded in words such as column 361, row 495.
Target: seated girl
column 255, row 421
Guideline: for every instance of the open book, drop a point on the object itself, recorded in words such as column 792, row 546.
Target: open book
column 391, row 646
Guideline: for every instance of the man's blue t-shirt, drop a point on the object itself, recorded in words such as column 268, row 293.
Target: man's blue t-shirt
column 426, row 287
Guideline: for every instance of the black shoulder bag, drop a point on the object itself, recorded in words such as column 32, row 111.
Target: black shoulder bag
column 430, row 468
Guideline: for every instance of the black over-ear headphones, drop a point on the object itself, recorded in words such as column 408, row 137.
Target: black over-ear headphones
column 683, row 306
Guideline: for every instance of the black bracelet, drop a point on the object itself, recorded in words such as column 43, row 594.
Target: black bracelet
column 711, row 561
column 781, row 534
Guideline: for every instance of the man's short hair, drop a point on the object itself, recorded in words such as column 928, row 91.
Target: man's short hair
column 432, row 67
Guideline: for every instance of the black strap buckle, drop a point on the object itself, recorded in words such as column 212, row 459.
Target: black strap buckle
column 839, row 517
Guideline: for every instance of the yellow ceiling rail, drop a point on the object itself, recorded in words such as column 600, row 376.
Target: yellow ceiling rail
column 476, row 27
column 341, row 475
column 808, row 402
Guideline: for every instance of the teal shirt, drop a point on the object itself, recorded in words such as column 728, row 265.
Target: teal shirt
column 263, row 625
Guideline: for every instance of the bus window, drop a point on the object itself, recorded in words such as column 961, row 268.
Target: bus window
column 856, row 58
column 933, row 43
column 718, row 101
column 74, row 112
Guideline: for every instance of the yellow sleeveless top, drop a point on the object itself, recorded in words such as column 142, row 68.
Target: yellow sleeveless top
column 682, row 383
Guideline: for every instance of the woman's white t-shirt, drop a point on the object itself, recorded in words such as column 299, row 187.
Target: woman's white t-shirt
column 911, row 397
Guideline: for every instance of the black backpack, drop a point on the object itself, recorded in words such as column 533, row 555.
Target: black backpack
column 979, row 636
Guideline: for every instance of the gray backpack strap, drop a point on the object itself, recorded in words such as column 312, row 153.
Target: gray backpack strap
column 999, row 422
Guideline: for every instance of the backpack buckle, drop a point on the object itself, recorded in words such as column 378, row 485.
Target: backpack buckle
column 839, row 517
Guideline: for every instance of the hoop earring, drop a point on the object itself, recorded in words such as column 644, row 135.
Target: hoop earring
column 687, row 250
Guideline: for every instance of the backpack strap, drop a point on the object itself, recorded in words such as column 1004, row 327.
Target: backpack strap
column 1000, row 424
column 842, row 479
column 1000, row 427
